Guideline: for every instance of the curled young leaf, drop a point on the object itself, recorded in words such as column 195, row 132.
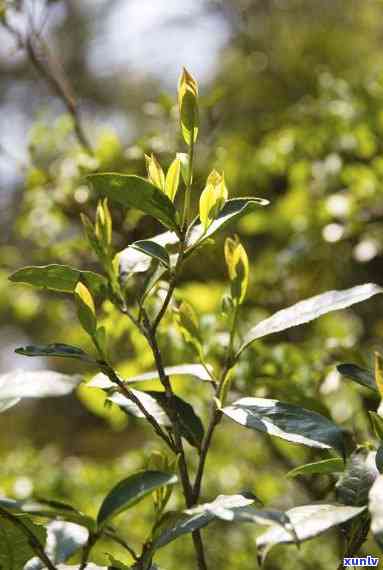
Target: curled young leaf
column 155, row 173
column 173, row 179
column 212, row 199
column 103, row 227
column 188, row 106
column 85, row 308
column 238, row 268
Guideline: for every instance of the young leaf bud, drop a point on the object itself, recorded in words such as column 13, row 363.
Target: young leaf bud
column 155, row 173
column 238, row 268
column 173, row 179
column 188, row 106
column 212, row 199
column 86, row 311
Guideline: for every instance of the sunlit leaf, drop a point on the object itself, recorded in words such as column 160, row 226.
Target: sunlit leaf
column 155, row 173
column 287, row 421
column 136, row 192
column 333, row 465
column 188, row 106
column 308, row 521
column 238, row 268
column 130, row 491
column 36, row 384
column 212, row 199
column 85, row 308
column 310, row 309
column 60, row 278
column 173, row 179
column 15, row 547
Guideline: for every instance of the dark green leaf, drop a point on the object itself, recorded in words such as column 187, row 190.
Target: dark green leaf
column 157, row 405
column 333, row 465
column 134, row 261
column 152, row 249
column 136, row 192
column 359, row 375
column 60, row 278
column 287, row 421
column 57, row 510
column 36, row 384
column 308, row 521
column 130, row 491
column 377, row 424
column 379, row 459
column 55, row 349
column 232, row 211
column 15, row 548
column 310, row 309
column 353, row 486
column 375, row 506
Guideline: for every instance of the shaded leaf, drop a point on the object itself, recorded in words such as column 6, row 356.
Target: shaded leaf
column 15, row 548
column 359, row 375
column 232, row 211
column 36, row 384
column 375, row 506
column 308, row 521
column 378, row 372
column 60, row 278
column 379, row 459
column 286, row 421
column 56, row 510
column 310, row 309
column 152, row 249
column 136, row 192
column 55, row 349
column 354, row 484
column 156, row 403
column 133, row 261
column 377, row 424
column 130, row 491
column 333, row 465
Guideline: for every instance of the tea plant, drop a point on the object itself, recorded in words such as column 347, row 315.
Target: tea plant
column 141, row 282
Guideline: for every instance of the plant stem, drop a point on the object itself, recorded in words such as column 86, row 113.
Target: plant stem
column 92, row 539
column 185, row 216
column 32, row 539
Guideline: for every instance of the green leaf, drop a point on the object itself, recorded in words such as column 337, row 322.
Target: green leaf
column 310, row 309
column 378, row 372
column 60, row 278
column 238, row 268
column 287, row 421
column 55, row 349
column 359, row 375
column 212, row 199
column 15, row 548
column 152, row 249
column 173, row 179
column 377, row 425
column 187, row 322
column 36, row 384
column 232, row 211
column 188, row 106
column 355, row 483
column 184, row 159
column 375, row 507
column 155, row 173
column 130, row 491
column 197, row 371
column 156, row 404
column 136, row 192
column 133, row 261
column 308, row 521
column 8, row 403
column 58, row 511
column 86, row 311
column 333, row 465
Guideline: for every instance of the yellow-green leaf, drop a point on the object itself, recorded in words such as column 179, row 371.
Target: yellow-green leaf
column 188, row 324
column 188, row 106
column 378, row 369
column 173, row 179
column 238, row 268
column 212, row 199
column 103, row 228
column 85, row 308
column 155, row 173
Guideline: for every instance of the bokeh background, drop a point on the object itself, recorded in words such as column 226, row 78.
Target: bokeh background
column 291, row 110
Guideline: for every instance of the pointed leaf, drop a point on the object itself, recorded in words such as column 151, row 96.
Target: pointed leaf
column 287, row 421
column 173, row 179
column 232, row 211
column 60, row 278
column 55, row 349
column 134, row 261
column 333, row 465
column 136, row 192
column 130, row 491
column 308, row 521
column 36, row 384
column 359, row 375
column 310, row 309
column 377, row 425
column 152, row 249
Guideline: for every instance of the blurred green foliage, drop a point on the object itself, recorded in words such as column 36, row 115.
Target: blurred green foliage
column 294, row 115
